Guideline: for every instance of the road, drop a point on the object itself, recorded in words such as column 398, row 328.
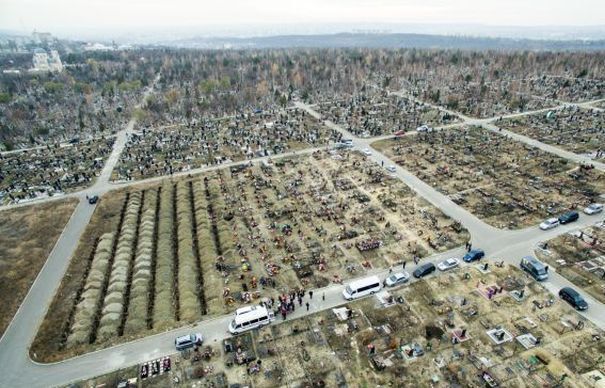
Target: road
column 17, row 369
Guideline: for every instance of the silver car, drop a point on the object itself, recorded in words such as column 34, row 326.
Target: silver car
column 594, row 208
column 397, row 278
column 448, row 264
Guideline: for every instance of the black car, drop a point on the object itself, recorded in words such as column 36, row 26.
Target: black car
column 568, row 217
column 94, row 199
column 424, row 270
column 572, row 297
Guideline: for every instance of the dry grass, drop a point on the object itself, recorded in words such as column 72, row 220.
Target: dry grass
column 27, row 235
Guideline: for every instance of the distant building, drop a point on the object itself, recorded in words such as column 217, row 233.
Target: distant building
column 97, row 47
column 43, row 62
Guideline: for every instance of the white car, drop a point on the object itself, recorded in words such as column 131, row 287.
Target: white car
column 549, row 224
column 391, row 169
column 397, row 278
column 367, row 152
column 424, row 128
column 594, row 208
column 448, row 264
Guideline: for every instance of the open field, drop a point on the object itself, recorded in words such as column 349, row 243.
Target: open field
column 163, row 256
column 56, row 169
column 27, row 236
column 504, row 182
column 448, row 330
column 574, row 129
column 164, row 151
column 380, row 114
column 580, row 257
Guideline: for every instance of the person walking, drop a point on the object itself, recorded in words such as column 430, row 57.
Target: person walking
column 307, row 304
column 323, row 296
column 404, row 263
column 391, row 269
column 310, row 294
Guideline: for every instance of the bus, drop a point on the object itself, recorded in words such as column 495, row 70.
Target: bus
column 362, row 287
column 250, row 317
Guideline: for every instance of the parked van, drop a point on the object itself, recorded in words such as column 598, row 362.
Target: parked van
column 569, row 217
column 250, row 317
column 362, row 287
column 534, row 267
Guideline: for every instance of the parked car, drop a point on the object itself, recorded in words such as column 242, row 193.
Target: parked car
column 397, row 278
column 94, row 199
column 473, row 255
column 424, row 128
column 188, row 341
column 594, row 208
column 424, row 270
column 391, row 168
column 367, row 152
column 569, row 217
column 534, row 267
column 448, row 264
column 549, row 223
column 572, row 297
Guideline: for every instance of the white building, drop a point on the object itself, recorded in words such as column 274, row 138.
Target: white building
column 43, row 62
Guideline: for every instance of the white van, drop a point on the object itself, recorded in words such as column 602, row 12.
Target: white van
column 250, row 317
column 362, row 287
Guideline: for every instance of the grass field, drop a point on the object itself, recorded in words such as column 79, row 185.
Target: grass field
column 27, row 235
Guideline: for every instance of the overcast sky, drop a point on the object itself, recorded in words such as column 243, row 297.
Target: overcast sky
column 63, row 15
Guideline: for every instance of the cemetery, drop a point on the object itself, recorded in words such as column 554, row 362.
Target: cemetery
column 163, row 255
column 574, row 129
column 579, row 256
column 438, row 332
column 52, row 170
column 376, row 114
column 164, row 151
column 520, row 187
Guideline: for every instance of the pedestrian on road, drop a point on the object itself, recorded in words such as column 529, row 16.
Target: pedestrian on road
column 283, row 314
column 307, row 304
column 404, row 263
column 384, row 283
column 323, row 296
column 391, row 269
column 382, row 163
column 310, row 294
column 416, row 260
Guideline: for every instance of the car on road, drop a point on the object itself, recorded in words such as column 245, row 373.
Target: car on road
column 568, row 217
column 594, row 208
column 94, row 199
column 391, row 168
column 397, row 278
column 424, row 270
column 448, row 264
column 188, row 341
column 424, row 128
column 549, row 223
column 473, row 255
column 367, row 152
column 572, row 297
column 534, row 267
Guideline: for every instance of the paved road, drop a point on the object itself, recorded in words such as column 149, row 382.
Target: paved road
column 16, row 369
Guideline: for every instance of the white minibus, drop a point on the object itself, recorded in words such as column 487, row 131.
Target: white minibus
column 362, row 287
column 250, row 317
